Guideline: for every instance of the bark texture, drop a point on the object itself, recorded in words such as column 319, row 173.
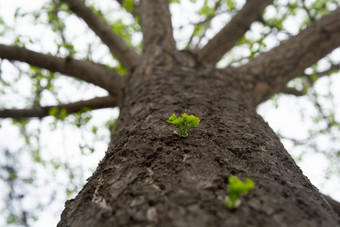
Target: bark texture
column 151, row 177
column 159, row 46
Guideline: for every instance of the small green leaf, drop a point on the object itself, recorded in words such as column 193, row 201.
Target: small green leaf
column 184, row 115
column 128, row 5
column 12, row 219
column 63, row 113
column 53, row 111
column 12, row 176
column 236, row 188
column 69, row 192
column 172, row 118
column 94, row 129
column 231, row 4
column 194, row 120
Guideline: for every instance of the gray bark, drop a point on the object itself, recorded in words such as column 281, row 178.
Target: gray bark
column 151, row 177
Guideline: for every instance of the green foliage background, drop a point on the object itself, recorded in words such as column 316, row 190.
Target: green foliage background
column 43, row 162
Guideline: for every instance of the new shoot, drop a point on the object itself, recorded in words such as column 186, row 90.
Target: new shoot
column 237, row 187
column 184, row 123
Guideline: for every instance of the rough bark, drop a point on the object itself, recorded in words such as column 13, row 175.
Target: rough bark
column 151, row 177
column 335, row 204
column 157, row 27
column 159, row 46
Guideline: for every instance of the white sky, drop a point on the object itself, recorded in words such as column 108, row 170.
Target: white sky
column 64, row 141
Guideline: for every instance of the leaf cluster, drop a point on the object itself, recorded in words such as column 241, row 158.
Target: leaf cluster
column 184, row 123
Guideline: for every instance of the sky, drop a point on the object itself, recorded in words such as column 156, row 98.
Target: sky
column 63, row 143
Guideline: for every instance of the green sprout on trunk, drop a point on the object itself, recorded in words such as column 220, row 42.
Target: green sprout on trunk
column 236, row 188
column 184, row 123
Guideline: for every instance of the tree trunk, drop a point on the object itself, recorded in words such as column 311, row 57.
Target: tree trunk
column 151, row 177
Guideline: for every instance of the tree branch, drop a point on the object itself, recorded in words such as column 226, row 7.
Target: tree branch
column 40, row 112
column 270, row 71
column 206, row 24
column 214, row 50
column 126, row 55
column 298, row 93
column 88, row 72
column 135, row 11
column 331, row 69
column 292, row 91
column 158, row 37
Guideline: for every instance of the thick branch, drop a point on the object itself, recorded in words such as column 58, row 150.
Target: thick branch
column 214, row 50
column 88, row 72
column 158, row 37
column 292, row 91
column 270, row 72
column 40, row 112
column 126, row 55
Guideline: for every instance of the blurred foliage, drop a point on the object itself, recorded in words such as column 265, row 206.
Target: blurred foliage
column 129, row 5
column 54, row 33
column 208, row 13
column 14, row 190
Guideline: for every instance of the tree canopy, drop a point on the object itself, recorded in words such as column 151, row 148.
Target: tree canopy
column 59, row 58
